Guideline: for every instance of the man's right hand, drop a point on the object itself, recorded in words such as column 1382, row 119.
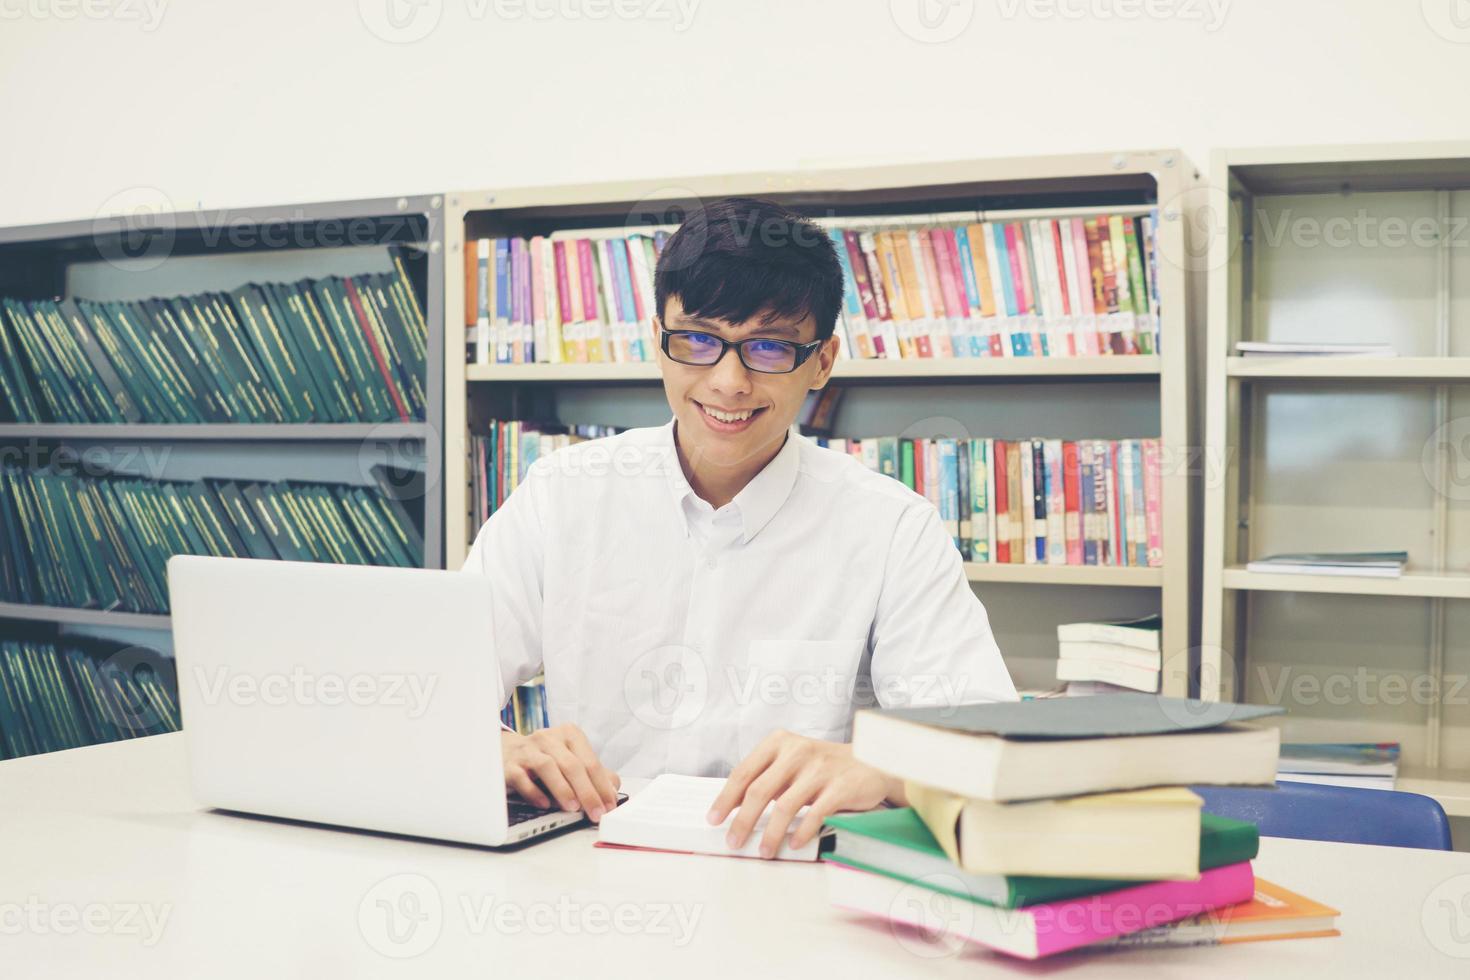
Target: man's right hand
column 561, row 760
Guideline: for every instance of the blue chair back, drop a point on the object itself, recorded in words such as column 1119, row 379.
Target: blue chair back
column 1308, row 811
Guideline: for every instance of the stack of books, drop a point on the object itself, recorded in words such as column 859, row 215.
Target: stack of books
column 1357, row 764
column 1372, row 564
column 63, row 696
column 1036, row 287
column 104, row 542
column 1264, row 348
column 1055, row 823
column 318, row 350
column 1123, row 654
column 1032, row 501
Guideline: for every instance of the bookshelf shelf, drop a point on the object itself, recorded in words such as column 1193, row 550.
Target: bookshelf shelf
column 1359, row 454
column 1349, row 368
column 970, row 369
column 219, row 432
column 1429, row 585
column 83, row 617
column 1148, row 578
column 1157, row 392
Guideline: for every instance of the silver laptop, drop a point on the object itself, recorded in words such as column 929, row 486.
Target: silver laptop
column 348, row 695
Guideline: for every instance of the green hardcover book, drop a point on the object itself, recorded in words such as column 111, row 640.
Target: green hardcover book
column 97, row 726
column 328, row 515
column 368, row 546
column 213, row 523
column 137, row 549
column 242, row 517
column 124, row 407
column 81, row 541
column 41, row 562
column 137, row 329
column 31, row 709
column 282, row 539
column 277, row 367
column 896, row 843
column 306, row 371
column 205, row 395
column 369, row 401
column 363, row 314
column 239, row 351
column 306, row 348
column 906, row 462
column 58, row 695
column 20, row 739
column 89, row 400
column 53, row 400
column 76, row 575
column 406, row 360
column 15, row 384
column 344, row 378
column 129, row 364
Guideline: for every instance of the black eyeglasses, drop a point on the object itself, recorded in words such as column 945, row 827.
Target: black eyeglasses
column 759, row 354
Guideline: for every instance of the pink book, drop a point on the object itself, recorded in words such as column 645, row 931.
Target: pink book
column 538, row 302
column 585, row 258
column 1153, row 501
column 951, row 288
column 1037, row 930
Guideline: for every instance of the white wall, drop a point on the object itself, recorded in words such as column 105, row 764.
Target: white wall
column 218, row 104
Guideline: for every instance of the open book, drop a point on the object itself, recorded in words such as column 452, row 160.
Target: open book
column 669, row 814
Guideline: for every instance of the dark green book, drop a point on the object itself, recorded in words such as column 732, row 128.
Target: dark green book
column 366, row 385
column 16, row 386
column 896, row 843
column 241, row 515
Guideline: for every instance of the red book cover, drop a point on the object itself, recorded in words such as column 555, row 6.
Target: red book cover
column 1002, row 504
column 372, row 343
column 1019, row 278
column 1056, row 241
column 1071, row 493
column 920, row 456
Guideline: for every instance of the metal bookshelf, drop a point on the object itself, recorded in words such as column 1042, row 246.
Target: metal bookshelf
column 36, row 261
column 1341, row 453
column 1051, row 185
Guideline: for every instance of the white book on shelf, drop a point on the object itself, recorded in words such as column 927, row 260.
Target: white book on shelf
column 1110, row 672
column 1265, row 348
column 1352, row 782
column 1375, row 564
column 1109, row 652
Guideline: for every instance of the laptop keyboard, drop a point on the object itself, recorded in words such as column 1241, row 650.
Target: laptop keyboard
column 521, row 811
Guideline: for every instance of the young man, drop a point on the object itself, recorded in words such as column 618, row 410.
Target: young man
column 717, row 595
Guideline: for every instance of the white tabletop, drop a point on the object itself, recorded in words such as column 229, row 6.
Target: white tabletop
column 108, row 869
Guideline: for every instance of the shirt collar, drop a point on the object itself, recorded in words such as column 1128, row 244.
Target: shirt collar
column 762, row 497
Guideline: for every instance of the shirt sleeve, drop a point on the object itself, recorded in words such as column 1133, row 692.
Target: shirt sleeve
column 932, row 642
column 509, row 552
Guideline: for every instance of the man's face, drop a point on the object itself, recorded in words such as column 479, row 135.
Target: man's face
column 755, row 410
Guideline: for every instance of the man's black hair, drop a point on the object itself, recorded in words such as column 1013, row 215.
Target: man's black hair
column 743, row 256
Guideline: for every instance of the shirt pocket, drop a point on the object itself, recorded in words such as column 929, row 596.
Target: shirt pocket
column 802, row 686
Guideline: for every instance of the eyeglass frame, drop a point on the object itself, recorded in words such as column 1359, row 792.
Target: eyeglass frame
column 804, row 352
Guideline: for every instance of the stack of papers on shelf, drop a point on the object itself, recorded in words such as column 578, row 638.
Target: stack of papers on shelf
column 1377, row 564
column 1057, row 823
column 1262, row 348
column 1123, row 654
column 1364, row 765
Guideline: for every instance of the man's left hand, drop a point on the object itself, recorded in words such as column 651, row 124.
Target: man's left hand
column 796, row 771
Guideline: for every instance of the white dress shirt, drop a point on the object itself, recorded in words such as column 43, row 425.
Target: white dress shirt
column 678, row 636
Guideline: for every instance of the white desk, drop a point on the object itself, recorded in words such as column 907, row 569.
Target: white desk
column 101, row 838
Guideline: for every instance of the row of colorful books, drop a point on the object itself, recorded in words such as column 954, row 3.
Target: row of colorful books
column 1032, row 501
column 526, row 710
column 1039, row 287
column 1043, row 826
column 500, row 458
column 337, row 349
column 57, row 696
column 104, row 542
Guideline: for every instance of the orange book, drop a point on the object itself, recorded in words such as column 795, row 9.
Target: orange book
column 908, row 278
column 471, row 282
column 1274, row 913
column 898, row 304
